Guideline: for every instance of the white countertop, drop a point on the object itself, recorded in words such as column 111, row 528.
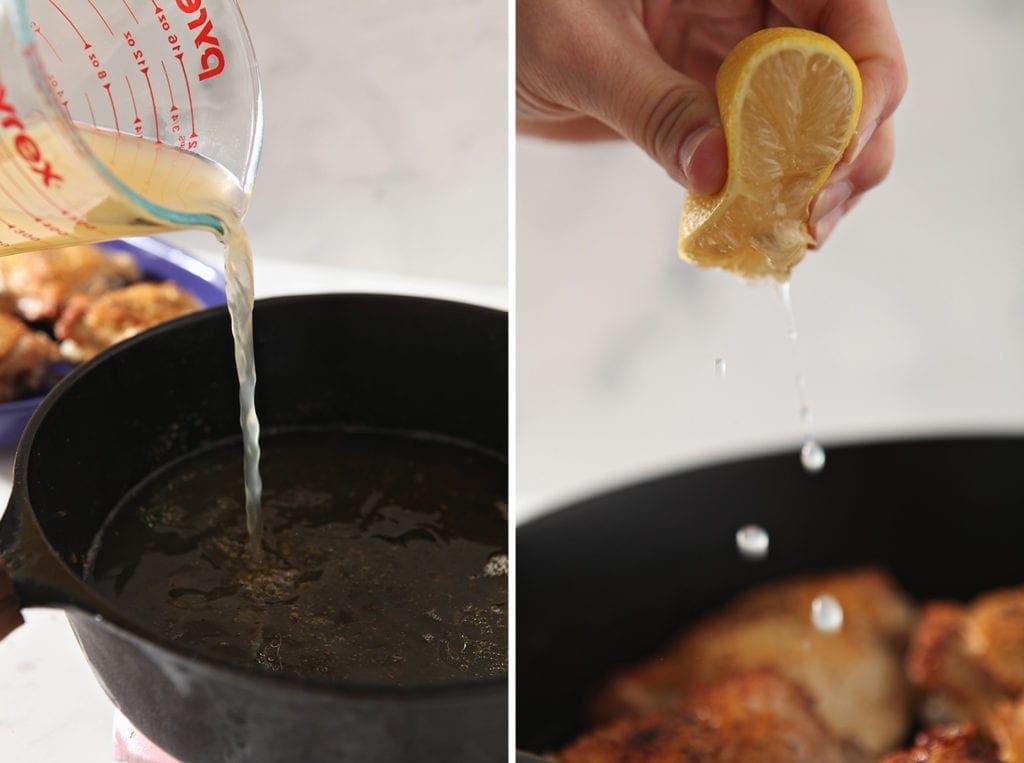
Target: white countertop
column 51, row 707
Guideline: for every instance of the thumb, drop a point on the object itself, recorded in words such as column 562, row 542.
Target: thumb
column 671, row 116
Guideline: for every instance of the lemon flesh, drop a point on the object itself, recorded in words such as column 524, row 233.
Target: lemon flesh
column 789, row 100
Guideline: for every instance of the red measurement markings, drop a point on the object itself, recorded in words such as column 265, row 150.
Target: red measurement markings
column 101, row 73
column 188, row 90
column 4, row 244
column 17, row 229
column 130, row 11
column 81, row 37
column 7, row 223
column 58, row 93
column 24, row 234
column 178, row 53
column 175, row 116
column 5, row 162
column 170, row 90
column 15, row 198
column 92, row 114
column 152, row 101
column 140, row 60
column 101, row 17
column 113, row 108
column 21, row 232
column 135, row 108
column 39, row 31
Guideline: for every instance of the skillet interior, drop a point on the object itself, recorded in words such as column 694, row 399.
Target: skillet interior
column 383, row 362
column 388, row 362
column 607, row 580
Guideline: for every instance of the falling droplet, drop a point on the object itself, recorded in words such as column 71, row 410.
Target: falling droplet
column 812, row 456
column 720, row 368
column 752, row 542
column 827, row 613
column 782, row 289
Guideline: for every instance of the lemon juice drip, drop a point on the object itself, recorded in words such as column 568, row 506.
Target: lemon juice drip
column 812, row 455
column 752, row 541
column 827, row 613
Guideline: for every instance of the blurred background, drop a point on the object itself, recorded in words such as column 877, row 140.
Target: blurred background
column 911, row 318
column 385, row 139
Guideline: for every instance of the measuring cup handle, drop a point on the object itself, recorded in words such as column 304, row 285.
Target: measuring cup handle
column 10, row 608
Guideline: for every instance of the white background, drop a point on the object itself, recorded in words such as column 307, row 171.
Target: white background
column 911, row 317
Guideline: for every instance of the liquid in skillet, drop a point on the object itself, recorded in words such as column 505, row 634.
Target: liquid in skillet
column 384, row 560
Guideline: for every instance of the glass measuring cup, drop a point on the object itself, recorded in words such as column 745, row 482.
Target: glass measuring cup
column 123, row 118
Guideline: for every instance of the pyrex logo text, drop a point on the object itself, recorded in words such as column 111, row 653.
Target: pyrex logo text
column 24, row 145
column 212, row 59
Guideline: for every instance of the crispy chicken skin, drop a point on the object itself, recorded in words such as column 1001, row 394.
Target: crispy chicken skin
column 756, row 717
column 967, row 663
column 855, row 676
column 955, row 744
column 39, row 284
column 26, row 358
column 994, row 636
column 954, row 686
column 89, row 326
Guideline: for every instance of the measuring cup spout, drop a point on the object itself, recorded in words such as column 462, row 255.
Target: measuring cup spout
column 97, row 140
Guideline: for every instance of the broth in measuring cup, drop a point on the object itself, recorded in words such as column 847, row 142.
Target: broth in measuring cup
column 113, row 124
column 384, row 561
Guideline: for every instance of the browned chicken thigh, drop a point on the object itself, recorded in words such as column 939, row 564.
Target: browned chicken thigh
column 756, row 717
column 39, row 284
column 968, row 664
column 90, row 326
column 26, row 358
column 953, row 684
column 854, row 676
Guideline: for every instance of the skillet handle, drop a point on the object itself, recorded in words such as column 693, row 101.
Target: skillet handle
column 10, row 609
column 34, row 575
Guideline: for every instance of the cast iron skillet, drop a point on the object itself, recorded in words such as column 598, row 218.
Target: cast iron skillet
column 606, row 581
column 366, row 360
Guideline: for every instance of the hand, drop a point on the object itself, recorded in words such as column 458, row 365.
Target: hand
column 645, row 70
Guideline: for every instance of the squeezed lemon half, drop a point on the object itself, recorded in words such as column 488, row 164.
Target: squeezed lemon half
column 789, row 101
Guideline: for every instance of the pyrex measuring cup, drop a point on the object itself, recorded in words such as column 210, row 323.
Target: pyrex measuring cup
column 123, row 117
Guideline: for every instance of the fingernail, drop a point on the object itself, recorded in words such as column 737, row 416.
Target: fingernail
column 860, row 140
column 829, row 198
column 698, row 174
column 828, row 223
